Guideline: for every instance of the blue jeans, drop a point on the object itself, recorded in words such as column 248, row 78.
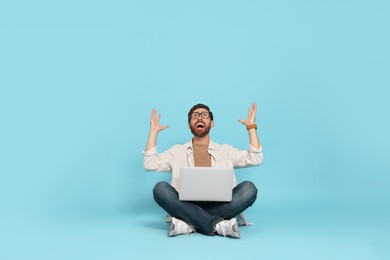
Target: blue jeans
column 204, row 215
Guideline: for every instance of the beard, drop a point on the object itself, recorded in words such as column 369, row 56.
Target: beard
column 200, row 132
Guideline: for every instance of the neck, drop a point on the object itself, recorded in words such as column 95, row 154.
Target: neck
column 201, row 140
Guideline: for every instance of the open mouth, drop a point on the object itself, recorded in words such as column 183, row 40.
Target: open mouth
column 199, row 125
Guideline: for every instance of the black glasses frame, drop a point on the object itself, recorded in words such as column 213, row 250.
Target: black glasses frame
column 204, row 115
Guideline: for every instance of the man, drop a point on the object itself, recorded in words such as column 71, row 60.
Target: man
column 204, row 217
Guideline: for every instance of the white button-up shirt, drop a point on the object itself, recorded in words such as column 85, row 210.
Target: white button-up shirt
column 222, row 155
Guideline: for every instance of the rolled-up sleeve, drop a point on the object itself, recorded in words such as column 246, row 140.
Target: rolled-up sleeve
column 252, row 149
column 250, row 157
column 156, row 162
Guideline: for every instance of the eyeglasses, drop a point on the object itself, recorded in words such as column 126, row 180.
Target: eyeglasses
column 204, row 115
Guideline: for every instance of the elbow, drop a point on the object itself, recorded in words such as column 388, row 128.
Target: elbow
column 149, row 168
column 260, row 160
column 257, row 160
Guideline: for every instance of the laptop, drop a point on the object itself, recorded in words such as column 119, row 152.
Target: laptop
column 206, row 184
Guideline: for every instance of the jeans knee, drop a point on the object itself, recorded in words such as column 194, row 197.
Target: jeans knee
column 161, row 191
column 250, row 189
column 159, row 188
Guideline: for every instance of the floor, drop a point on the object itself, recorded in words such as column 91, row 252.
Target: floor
column 306, row 231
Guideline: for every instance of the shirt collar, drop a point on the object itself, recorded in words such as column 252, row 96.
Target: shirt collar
column 189, row 147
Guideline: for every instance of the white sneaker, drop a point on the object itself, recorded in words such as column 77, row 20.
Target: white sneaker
column 179, row 227
column 228, row 228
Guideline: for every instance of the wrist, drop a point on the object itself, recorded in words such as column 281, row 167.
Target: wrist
column 153, row 132
column 251, row 126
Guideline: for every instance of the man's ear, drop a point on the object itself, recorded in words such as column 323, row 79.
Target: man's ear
column 212, row 124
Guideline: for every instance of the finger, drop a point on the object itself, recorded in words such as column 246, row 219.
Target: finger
column 158, row 117
column 153, row 114
column 241, row 121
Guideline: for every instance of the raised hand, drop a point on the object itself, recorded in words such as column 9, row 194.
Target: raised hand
column 155, row 122
column 251, row 116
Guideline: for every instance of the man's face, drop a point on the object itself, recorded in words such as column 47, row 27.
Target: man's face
column 200, row 123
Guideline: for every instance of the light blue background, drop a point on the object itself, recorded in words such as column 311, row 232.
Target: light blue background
column 77, row 85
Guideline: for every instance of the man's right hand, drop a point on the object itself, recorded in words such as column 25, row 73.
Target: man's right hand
column 155, row 127
column 155, row 122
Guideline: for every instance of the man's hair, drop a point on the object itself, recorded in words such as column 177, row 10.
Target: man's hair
column 199, row 106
